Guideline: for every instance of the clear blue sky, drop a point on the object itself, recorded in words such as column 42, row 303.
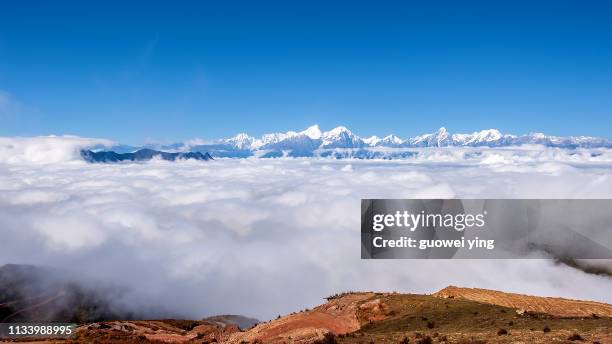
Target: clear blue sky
column 179, row 70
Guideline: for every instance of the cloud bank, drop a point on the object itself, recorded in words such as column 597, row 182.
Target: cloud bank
column 263, row 237
column 46, row 149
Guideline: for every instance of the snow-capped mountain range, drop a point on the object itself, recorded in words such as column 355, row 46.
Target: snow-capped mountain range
column 342, row 142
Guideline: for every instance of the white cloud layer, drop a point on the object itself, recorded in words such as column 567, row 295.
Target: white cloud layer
column 268, row 236
column 45, row 149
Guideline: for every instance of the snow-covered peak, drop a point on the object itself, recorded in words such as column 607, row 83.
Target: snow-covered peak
column 372, row 140
column 337, row 131
column 314, row 132
column 485, row 136
column 442, row 134
column 489, row 135
column 242, row 137
column 268, row 139
column 241, row 141
column 437, row 139
column 340, row 137
column 392, row 140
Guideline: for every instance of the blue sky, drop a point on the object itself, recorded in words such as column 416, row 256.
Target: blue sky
column 178, row 70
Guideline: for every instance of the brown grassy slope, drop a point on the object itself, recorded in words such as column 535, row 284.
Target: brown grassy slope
column 463, row 321
column 549, row 305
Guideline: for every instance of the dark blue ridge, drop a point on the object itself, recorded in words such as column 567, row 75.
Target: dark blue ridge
column 141, row 155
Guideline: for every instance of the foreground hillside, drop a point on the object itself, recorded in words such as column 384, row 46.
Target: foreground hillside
column 448, row 316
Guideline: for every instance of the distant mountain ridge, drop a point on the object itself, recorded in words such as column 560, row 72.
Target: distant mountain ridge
column 341, row 142
column 342, row 137
column 141, row 155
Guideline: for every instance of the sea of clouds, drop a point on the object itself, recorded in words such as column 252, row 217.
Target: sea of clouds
column 262, row 237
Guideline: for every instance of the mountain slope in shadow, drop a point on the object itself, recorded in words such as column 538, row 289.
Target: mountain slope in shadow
column 141, row 155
